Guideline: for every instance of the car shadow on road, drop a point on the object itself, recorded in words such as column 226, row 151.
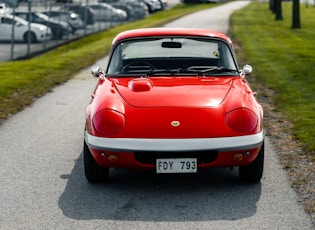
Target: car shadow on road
column 212, row 194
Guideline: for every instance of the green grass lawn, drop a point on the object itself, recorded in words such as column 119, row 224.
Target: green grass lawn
column 283, row 60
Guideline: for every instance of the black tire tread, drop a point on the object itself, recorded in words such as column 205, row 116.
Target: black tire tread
column 32, row 35
column 94, row 173
column 253, row 172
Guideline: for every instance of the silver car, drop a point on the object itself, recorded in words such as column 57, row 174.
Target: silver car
column 70, row 17
column 106, row 12
column 37, row 32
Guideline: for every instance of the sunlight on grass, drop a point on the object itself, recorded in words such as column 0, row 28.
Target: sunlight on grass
column 283, row 60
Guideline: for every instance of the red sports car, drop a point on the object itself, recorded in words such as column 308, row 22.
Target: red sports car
column 173, row 101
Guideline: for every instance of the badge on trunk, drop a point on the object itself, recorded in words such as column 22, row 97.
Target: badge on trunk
column 175, row 123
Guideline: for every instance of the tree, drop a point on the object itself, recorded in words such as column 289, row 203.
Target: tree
column 296, row 23
column 278, row 9
column 272, row 5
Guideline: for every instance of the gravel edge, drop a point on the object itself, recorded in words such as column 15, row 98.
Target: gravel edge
column 292, row 156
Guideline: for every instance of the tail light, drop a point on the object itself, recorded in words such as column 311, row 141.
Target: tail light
column 241, row 120
column 108, row 122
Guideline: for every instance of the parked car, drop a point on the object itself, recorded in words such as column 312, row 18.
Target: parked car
column 70, row 17
column 173, row 101
column 86, row 13
column 153, row 5
column 37, row 32
column 4, row 9
column 163, row 3
column 128, row 9
column 139, row 9
column 120, row 15
column 106, row 12
column 59, row 29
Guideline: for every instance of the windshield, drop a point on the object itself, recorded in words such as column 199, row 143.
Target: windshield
column 154, row 55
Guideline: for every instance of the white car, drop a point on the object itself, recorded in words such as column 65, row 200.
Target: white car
column 4, row 10
column 37, row 32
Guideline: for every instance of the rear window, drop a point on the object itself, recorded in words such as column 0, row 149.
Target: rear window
column 172, row 52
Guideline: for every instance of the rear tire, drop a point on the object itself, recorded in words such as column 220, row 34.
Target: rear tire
column 30, row 35
column 94, row 173
column 253, row 172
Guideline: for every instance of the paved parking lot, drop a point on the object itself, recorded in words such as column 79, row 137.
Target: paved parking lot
column 18, row 50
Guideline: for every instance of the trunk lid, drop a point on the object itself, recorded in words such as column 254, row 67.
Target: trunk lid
column 173, row 91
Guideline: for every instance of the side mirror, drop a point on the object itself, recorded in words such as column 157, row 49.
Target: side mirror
column 246, row 70
column 97, row 72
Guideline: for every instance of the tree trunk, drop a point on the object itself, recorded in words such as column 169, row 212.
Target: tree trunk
column 278, row 10
column 272, row 6
column 296, row 24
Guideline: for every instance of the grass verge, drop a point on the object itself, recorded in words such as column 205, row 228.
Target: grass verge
column 23, row 81
column 283, row 60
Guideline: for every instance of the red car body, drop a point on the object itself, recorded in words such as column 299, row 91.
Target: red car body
column 155, row 107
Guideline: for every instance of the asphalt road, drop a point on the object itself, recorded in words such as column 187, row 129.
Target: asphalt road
column 43, row 186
